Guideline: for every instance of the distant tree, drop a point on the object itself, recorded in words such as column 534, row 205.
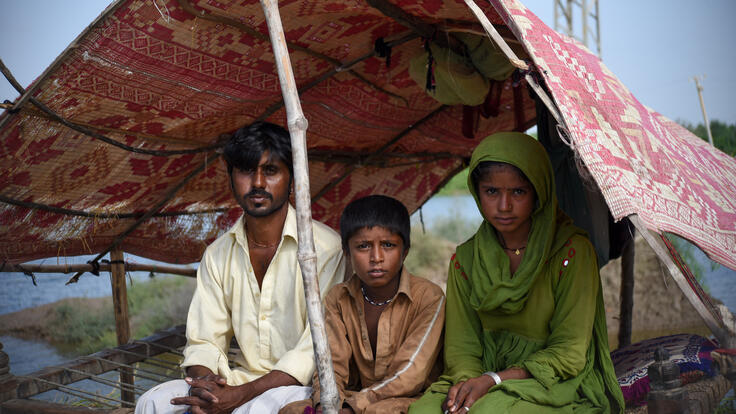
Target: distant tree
column 724, row 135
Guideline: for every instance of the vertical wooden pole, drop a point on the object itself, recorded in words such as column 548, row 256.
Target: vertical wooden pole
column 122, row 320
column 726, row 338
column 627, row 294
column 305, row 251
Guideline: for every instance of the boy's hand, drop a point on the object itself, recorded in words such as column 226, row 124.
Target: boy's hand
column 464, row 394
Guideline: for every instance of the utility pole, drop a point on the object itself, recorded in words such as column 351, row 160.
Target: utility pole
column 702, row 106
column 567, row 8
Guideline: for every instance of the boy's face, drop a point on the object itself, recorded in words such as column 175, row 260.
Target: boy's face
column 377, row 255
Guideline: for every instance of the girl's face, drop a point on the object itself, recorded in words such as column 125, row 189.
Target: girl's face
column 507, row 201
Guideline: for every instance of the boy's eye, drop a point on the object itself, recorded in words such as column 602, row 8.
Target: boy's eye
column 388, row 244
column 362, row 245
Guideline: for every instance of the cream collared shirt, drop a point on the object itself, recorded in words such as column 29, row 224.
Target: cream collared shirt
column 270, row 323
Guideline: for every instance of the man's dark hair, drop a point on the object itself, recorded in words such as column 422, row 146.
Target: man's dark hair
column 245, row 148
column 485, row 167
column 372, row 211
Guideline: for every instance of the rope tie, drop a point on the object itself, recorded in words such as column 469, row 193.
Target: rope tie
column 383, row 50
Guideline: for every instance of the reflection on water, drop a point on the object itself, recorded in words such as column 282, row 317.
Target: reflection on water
column 29, row 356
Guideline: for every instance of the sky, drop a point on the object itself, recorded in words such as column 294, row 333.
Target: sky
column 654, row 47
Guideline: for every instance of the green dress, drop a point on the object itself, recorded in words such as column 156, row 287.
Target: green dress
column 547, row 318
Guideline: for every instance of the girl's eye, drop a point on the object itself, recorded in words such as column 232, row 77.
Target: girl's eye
column 519, row 191
column 491, row 190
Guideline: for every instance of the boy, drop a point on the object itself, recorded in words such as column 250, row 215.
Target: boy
column 384, row 324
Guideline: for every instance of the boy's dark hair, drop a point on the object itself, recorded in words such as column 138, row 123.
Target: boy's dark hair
column 372, row 211
column 485, row 167
column 245, row 148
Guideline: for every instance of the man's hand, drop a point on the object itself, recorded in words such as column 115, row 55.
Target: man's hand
column 211, row 395
column 464, row 394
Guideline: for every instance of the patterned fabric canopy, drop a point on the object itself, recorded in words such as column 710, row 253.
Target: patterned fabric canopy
column 128, row 120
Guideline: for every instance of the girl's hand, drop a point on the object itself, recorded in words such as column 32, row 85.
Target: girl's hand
column 464, row 394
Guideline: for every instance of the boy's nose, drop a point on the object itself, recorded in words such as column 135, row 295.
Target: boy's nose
column 376, row 254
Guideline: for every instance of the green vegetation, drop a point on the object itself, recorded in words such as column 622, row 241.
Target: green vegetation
column 724, row 135
column 156, row 304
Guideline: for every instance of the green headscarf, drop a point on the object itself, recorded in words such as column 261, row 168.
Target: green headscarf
column 493, row 286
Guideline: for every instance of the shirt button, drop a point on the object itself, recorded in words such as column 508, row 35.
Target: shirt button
column 263, row 317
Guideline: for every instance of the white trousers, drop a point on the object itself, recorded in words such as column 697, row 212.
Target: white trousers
column 157, row 400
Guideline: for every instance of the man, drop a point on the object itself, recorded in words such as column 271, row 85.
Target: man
column 249, row 285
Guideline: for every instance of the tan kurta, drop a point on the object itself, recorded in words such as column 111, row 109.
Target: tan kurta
column 407, row 345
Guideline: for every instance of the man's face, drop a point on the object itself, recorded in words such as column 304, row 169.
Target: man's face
column 263, row 190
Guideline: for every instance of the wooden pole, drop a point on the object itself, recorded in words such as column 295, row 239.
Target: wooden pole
column 122, row 319
column 702, row 106
column 725, row 338
column 104, row 267
column 515, row 61
column 305, row 252
column 627, row 294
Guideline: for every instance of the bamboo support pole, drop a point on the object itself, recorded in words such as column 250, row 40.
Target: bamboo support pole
column 104, row 267
column 725, row 338
column 626, row 311
column 122, row 318
column 305, row 252
column 498, row 39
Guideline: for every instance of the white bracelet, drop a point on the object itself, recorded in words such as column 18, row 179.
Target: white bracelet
column 493, row 375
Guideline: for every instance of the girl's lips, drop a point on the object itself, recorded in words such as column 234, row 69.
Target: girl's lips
column 504, row 220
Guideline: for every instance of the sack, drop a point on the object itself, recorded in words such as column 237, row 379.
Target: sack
column 456, row 80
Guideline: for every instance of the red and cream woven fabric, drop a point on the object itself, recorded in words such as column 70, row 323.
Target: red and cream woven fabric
column 152, row 75
column 643, row 163
column 177, row 74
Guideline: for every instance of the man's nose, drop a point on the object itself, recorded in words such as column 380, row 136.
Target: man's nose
column 259, row 180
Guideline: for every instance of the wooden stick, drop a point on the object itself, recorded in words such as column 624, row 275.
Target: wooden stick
column 378, row 152
column 97, row 363
column 122, row 319
column 305, row 251
column 7, row 116
column 169, row 195
column 416, row 24
column 96, row 215
column 104, row 267
column 626, row 311
column 726, row 339
column 493, row 34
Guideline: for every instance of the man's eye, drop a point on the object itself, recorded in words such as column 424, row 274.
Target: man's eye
column 270, row 170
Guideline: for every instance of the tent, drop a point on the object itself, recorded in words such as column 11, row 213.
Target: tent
column 116, row 143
